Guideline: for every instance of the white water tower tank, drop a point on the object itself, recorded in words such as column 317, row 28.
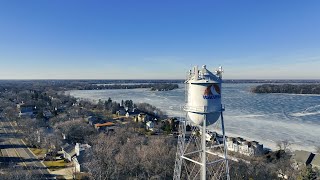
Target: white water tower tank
column 204, row 96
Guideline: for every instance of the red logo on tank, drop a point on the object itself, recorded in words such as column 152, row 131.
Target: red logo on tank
column 209, row 89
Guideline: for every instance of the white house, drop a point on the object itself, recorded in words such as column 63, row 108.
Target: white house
column 78, row 158
column 244, row 147
column 75, row 154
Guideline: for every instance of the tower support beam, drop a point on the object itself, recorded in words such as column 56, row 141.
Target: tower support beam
column 203, row 148
column 224, row 144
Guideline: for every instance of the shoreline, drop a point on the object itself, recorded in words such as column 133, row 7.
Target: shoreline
column 272, row 145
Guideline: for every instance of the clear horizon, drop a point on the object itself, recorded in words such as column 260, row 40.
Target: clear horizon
column 159, row 39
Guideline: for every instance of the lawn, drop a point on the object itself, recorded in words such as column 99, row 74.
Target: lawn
column 38, row 152
column 55, row 165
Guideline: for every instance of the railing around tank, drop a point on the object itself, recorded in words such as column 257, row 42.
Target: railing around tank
column 203, row 109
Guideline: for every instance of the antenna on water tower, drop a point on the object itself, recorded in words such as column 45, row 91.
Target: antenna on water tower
column 198, row 156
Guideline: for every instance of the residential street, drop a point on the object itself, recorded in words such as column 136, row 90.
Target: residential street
column 15, row 152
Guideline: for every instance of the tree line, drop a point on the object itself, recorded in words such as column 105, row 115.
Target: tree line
column 287, row 88
column 64, row 85
column 153, row 87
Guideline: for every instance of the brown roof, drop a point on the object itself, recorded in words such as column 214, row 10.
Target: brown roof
column 105, row 124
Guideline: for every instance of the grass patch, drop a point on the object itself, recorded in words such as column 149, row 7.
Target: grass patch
column 38, row 152
column 55, row 165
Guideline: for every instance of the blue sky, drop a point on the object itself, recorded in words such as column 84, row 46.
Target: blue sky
column 158, row 39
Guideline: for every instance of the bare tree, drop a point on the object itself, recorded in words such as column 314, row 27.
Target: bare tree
column 76, row 130
column 15, row 172
column 283, row 145
column 10, row 113
column 157, row 157
column 100, row 161
column 126, row 155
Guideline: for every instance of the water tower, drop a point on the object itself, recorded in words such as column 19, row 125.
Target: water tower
column 201, row 153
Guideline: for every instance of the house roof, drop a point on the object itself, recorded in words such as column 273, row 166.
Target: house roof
column 26, row 110
column 79, row 159
column 27, row 106
column 47, row 113
column 105, row 124
column 133, row 113
column 65, row 146
column 69, row 149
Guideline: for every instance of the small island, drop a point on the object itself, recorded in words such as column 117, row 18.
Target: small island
column 164, row 87
column 287, row 88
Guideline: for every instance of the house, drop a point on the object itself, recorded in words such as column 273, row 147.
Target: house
column 150, row 126
column 75, row 154
column 122, row 111
column 215, row 137
column 174, row 123
column 244, row 147
column 142, row 117
column 77, row 161
column 134, row 113
column 209, row 135
column 47, row 114
column 26, row 110
column 302, row 158
column 232, row 144
column 108, row 126
column 68, row 151
column 79, row 157
column 92, row 120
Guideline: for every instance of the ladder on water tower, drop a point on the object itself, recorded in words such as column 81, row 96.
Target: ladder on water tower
column 180, row 149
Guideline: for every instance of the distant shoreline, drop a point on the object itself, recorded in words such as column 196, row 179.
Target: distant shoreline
column 143, row 81
column 288, row 89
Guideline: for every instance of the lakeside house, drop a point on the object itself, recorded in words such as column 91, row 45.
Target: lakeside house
column 215, row 137
column 142, row 117
column 134, row 113
column 248, row 148
column 121, row 112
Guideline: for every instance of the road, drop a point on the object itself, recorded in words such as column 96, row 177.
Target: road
column 15, row 152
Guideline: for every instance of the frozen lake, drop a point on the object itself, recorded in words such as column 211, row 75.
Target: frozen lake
column 266, row 118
